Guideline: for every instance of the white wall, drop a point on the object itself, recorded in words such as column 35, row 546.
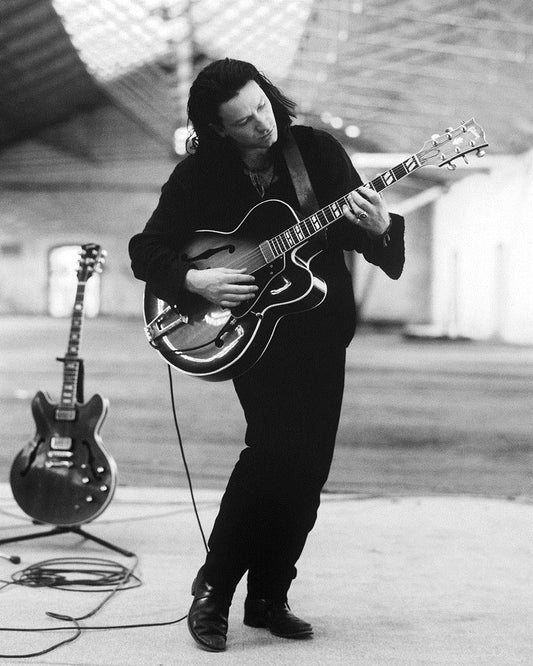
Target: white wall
column 483, row 254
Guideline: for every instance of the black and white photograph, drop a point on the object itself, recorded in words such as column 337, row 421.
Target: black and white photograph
column 266, row 332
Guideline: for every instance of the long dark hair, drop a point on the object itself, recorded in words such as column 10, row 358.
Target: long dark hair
column 219, row 82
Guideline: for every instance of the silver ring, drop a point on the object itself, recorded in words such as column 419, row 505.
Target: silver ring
column 362, row 216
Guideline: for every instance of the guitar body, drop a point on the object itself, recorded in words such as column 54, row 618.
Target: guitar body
column 64, row 476
column 215, row 343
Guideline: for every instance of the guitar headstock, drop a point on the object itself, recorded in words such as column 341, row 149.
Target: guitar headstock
column 444, row 148
column 92, row 258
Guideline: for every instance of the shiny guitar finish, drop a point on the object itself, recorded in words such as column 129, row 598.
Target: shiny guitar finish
column 214, row 343
column 64, row 476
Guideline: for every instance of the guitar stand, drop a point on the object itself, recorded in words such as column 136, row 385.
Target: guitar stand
column 76, row 530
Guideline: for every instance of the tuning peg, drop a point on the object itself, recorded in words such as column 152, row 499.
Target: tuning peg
column 466, row 161
column 451, row 166
column 449, row 129
column 481, row 152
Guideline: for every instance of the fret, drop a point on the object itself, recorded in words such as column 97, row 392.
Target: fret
column 294, row 237
column 323, row 217
column 307, row 226
column 71, row 363
column 90, row 261
column 388, row 177
column 411, row 164
column 378, row 184
column 314, row 221
column 336, row 210
column 311, row 225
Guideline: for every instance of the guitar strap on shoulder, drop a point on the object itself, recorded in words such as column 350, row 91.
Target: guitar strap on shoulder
column 300, row 177
column 302, row 186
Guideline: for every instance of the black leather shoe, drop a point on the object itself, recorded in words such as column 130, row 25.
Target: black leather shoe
column 208, row 615
column 277, row 617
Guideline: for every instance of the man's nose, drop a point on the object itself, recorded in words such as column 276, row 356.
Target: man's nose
column 261, row 124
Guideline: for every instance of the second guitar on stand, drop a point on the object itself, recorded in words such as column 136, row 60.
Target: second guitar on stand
column 64, row 476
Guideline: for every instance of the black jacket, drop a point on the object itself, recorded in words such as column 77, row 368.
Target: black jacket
column 217, row 194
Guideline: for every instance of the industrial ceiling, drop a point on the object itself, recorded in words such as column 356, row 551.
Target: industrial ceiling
column 382, row 74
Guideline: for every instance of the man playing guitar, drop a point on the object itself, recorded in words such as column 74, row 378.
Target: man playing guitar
column 292, row 395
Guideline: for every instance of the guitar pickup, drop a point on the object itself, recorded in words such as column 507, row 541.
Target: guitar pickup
column 64, row 414
column 61, row 443
column 59, row 454
column 166, row 321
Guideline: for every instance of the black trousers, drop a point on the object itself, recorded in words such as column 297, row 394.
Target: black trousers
column 292, row 404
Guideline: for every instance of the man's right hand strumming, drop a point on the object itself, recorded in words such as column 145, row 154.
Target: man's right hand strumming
column 226, row 287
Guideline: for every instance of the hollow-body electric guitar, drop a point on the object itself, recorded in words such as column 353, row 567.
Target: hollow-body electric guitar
column 216, row 343
column 64, row 476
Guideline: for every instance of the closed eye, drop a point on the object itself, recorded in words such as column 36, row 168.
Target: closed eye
column 244, row 121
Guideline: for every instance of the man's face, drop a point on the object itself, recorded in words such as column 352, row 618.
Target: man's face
column 248, row 119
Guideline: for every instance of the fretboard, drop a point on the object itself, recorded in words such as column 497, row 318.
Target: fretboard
column 309, row 226
column 71, row 362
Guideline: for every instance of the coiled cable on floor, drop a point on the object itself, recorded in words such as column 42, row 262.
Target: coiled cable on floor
column 75, row 574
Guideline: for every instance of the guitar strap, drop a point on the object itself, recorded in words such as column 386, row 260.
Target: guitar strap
column 300, row 177
column 303, row 188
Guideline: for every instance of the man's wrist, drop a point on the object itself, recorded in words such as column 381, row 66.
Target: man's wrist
column 383, row 237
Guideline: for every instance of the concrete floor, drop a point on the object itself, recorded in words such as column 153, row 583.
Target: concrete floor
column 407, row 580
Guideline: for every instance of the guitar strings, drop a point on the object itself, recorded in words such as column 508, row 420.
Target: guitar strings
column 254, row 259
column 377, row 184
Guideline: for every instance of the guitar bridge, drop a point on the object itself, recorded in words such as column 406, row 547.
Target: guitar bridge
column 166, row 321
column 58, row 463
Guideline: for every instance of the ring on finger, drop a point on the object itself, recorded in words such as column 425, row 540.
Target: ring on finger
column 362, row 215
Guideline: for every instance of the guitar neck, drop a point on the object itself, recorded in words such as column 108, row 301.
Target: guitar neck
column 71, row 361
column 310, row 226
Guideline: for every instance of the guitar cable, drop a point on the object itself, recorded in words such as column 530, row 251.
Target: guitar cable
column 185, row 465
column 60, row 573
